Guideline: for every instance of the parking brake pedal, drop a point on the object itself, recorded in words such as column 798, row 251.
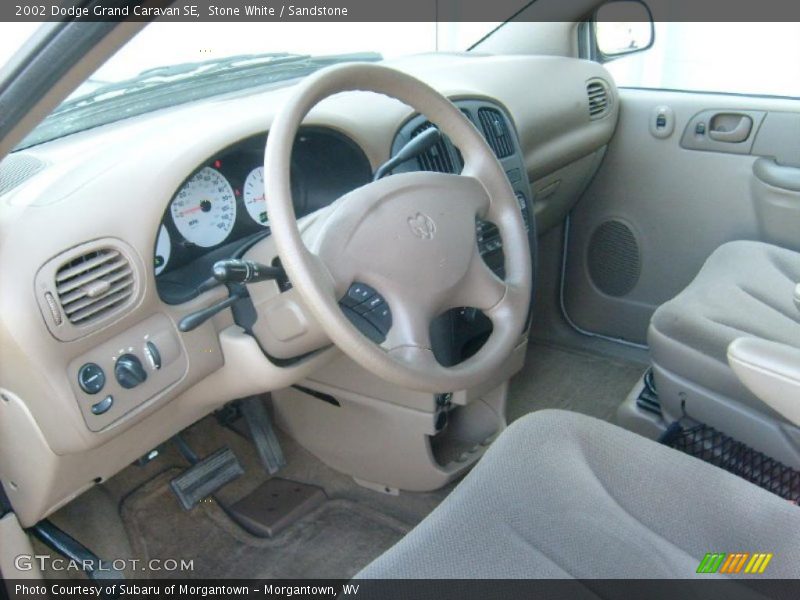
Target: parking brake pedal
column 260, row 426
column 205, row 477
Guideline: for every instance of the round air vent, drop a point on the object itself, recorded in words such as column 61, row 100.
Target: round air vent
column 613, row 258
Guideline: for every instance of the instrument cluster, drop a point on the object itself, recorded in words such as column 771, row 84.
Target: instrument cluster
column 221, row 206
column 220, row 202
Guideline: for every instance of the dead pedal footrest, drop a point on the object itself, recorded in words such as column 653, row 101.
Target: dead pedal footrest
column 205, row 477
column 275, row 505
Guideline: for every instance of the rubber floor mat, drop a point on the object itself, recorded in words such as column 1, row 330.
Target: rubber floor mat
column 334, row 541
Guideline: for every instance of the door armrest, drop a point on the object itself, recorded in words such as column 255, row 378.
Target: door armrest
column 771, row 371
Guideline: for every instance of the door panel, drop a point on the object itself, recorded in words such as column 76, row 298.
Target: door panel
column 663, row 201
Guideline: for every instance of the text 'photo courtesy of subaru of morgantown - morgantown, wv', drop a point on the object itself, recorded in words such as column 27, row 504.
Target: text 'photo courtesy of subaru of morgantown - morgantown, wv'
column 429, row 299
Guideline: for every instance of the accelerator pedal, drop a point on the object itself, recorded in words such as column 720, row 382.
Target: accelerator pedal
column 275, row 505
column 205, row 477
column 260, row 426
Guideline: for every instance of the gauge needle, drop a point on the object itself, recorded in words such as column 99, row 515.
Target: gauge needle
column 191, row 210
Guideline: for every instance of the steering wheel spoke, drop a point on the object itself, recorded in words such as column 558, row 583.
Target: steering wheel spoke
column 479, row 288
column 410, row 324
column 409, row 339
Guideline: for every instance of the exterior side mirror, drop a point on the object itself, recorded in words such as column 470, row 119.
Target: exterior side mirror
column 622, row 27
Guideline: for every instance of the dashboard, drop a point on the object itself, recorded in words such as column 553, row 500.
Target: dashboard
column 220, row 209
column 124, row 203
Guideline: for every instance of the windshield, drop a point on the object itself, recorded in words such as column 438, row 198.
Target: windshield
column 173, row 63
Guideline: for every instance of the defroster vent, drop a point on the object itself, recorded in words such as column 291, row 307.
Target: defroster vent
column 94, row 285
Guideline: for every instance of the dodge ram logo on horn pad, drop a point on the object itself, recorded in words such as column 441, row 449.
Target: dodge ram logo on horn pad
column 422, row 226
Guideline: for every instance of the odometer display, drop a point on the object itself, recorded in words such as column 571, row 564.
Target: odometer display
column 204, row 209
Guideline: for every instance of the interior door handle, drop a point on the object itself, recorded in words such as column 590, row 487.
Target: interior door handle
column 730, row 128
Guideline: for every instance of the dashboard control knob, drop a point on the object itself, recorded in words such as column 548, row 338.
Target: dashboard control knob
column 153, row 355
column 91, row 378
column 129, row 371
column 102, row 406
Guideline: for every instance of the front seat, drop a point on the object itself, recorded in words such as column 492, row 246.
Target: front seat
column 562, row 495
column 745, row 289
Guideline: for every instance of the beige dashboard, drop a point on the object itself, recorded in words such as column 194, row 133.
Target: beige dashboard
column 102, row 194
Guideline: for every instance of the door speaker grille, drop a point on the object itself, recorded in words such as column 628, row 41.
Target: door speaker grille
column 613, row 258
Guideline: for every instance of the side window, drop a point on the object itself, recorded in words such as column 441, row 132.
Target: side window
column 741, row 58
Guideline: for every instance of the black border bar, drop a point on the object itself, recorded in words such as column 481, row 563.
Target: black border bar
column 381, row 10
column 416, row 589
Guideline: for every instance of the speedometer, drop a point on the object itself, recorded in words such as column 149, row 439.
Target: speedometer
column 204, row 210
column 254, row 199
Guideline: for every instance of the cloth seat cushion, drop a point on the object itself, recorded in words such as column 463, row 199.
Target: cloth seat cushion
column 744, row 289
column 563, row 495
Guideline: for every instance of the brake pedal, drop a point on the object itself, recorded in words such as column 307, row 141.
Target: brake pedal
column 260, row 426
column 205, row 477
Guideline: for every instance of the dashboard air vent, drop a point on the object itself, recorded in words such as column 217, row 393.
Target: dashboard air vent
column 93, row 285
column 598, row 99
column 496, row 132
column 438, row 158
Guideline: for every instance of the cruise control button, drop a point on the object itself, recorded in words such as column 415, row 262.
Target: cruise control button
column 103, row 406
column 357, row 293
column 369, row 304
column 380, row 317
column 91, row 378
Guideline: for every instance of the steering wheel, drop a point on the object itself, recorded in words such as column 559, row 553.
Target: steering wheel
column 410, row 236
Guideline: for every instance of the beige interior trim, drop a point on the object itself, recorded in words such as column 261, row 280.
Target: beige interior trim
column 14, row 542
column 771, row 371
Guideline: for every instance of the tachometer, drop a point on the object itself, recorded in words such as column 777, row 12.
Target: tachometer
column 254, row 199
column 204, row 210
column 163, row 250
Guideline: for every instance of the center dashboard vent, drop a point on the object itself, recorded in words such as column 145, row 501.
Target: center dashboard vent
column 439, row 158
column 94, row 285
column 496, row 132
column 599, row 105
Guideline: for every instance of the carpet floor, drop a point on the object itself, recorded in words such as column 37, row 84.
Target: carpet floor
column 335, row 540
column 558, row 377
